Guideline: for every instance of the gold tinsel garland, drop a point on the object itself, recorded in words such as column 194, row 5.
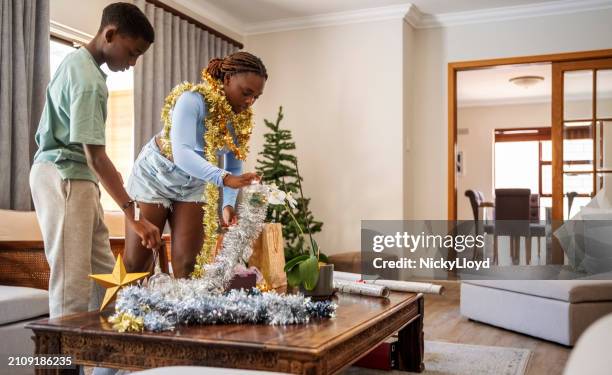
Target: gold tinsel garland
column 125, row 322
column 216, row 137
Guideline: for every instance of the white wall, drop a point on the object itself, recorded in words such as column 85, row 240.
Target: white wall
column 437, row 47
column 341, row 89
column 409, row 57
column 478, row 145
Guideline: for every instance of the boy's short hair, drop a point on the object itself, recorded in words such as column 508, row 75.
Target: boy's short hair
column 129, row 20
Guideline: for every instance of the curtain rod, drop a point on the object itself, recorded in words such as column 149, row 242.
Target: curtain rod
column 197, row 23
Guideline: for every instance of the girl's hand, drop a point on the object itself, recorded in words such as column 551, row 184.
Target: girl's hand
column 236, row 182
column 229, row 217
column 148, row 233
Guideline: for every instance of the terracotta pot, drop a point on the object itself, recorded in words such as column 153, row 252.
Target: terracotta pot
column 325, row 284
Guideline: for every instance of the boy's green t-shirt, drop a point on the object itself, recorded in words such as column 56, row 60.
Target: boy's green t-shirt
column 74, row 114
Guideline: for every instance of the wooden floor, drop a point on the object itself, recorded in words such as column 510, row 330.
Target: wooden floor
column 444, row 323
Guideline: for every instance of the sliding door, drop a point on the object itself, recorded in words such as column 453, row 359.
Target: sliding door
column 581, row 133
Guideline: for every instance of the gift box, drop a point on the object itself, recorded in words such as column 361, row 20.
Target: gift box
column 243, row 280
column 383, row 357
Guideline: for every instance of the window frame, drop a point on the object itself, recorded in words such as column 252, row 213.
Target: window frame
column 542, row 134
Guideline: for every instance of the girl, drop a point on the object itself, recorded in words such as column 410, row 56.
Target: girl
column 176, row 172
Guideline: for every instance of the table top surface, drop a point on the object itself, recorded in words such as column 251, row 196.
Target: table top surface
column 354, row 314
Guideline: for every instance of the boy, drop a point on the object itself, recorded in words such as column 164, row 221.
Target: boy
column 71, row 158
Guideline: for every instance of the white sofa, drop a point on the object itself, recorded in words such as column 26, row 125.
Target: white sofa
column 18, row 306
column 592, row 352
column 23, row 226
column 555, row 310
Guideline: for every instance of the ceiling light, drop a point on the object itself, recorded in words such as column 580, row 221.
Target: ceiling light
column 526, row 81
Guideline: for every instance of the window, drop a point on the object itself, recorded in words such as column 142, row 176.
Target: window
column 523, row 159
column 120, row 118
column 516, row 165
column 119, row 126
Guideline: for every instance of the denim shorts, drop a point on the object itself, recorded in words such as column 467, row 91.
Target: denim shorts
column 156, row 179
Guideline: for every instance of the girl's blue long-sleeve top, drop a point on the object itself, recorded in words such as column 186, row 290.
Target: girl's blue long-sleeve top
column 187, row 139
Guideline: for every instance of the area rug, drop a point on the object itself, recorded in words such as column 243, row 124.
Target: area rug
column 445, row 358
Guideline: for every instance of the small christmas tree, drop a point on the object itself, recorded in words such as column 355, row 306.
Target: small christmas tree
column 280, row 167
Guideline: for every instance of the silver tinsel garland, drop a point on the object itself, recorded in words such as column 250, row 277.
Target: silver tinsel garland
column 237, row 245
column 161, row 313
column 163, row 302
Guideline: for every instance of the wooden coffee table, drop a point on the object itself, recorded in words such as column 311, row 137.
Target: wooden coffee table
column 325, row 346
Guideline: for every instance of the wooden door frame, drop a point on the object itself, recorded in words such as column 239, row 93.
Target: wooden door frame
column 455, row 67
column 558, row 70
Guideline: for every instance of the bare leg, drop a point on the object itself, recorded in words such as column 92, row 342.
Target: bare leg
column 138, row 258
column 187, row 236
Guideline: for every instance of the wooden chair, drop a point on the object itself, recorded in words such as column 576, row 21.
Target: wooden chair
column 512, row 217
column 477, row 202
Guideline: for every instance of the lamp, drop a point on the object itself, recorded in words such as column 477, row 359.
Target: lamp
column 526, row 81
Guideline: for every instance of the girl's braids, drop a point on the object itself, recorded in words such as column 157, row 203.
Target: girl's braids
column 237, row 62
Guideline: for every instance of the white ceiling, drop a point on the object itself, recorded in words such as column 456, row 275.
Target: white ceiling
column 491, row 86
column 452, row 6
column 257, row 11
column 248, row 17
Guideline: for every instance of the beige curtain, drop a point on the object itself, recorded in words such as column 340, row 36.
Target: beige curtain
column 179, row 53
column 24, row 75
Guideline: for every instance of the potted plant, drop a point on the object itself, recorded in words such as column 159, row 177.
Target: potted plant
column 309, row 271
column 278, row 165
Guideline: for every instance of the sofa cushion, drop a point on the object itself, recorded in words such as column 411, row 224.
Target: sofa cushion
column 21, row 303
column 23, row 225
column 19, row 226
column 592, row 352
column 572, row 291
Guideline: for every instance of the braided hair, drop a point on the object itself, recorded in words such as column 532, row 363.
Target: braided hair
column 237, row 62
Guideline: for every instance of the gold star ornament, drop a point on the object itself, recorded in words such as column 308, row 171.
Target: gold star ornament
column 116, row 280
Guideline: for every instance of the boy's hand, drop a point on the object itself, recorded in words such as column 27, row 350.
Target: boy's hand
column 149, row 233
column 236, row 182
column 98, row 161
column 229, row 216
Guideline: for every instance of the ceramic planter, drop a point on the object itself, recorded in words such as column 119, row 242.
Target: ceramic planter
column 325, row 284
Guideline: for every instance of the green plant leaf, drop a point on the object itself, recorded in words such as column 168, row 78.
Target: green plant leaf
column 293, row 277
column 315, row 247
column 309, row 272
column 323, row 258
column 293, row 262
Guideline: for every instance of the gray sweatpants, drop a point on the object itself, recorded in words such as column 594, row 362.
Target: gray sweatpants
column 76, row 241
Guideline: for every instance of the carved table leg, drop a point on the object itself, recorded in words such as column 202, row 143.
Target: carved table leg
column 411, row 343
column 48, row 343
